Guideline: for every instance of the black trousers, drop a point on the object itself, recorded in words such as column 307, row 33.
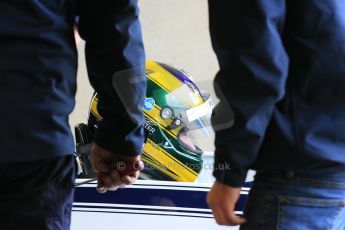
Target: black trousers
column 37, row 194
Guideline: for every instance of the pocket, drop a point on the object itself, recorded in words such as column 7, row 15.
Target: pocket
column 300, row 213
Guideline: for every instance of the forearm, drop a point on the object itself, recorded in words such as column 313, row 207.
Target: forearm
column 246, row 37
column 116, row 66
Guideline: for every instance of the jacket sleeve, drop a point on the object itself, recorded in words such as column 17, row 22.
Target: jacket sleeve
column 247, row 38
column 115, row 60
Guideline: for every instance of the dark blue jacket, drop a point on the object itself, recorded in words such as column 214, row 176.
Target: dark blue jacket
column 38, row 64
column 282, row 70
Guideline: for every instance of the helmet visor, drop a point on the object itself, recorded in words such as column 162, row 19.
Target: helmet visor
column 197, row 125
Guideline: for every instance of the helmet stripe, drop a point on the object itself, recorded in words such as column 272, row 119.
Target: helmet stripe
column 164, row 78
column 169, row 161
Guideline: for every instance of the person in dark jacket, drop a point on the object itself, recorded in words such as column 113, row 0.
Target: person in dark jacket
column 38, row 65
column 282, row 71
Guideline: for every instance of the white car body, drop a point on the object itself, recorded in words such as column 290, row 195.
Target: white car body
column 148, row 204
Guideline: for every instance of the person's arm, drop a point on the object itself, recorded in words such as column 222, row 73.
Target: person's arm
column 115, row 55
column 115, row 62
column 247, row 38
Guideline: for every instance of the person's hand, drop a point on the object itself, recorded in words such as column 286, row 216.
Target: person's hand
column 222, row 200
column 114, row 171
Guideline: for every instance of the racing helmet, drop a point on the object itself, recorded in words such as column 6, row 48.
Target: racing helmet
column 177, row 116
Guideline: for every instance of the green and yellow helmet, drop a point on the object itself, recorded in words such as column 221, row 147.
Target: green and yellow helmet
column 177, row 116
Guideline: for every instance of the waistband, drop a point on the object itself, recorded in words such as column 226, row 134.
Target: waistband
column 330, row 172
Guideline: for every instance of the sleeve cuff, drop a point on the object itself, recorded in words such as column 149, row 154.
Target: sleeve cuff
column 224, row 173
